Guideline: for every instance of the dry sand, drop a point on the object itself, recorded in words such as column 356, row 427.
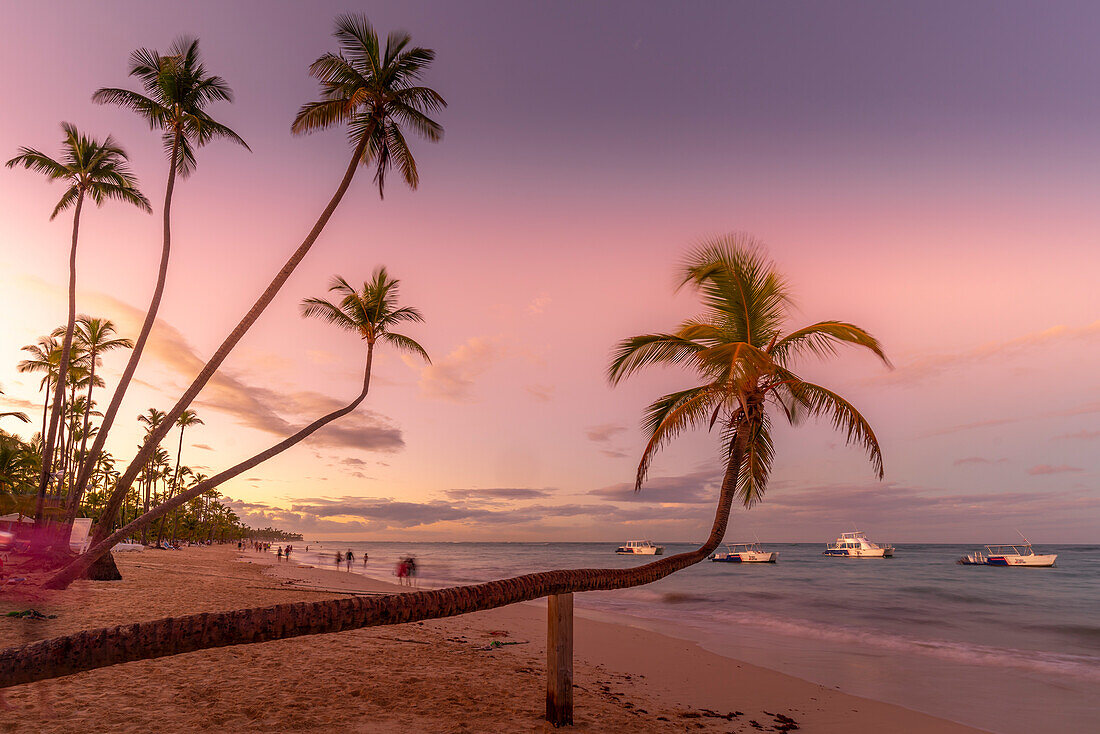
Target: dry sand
column 422, row 677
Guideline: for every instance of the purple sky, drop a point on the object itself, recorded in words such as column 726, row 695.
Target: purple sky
column 928, row 171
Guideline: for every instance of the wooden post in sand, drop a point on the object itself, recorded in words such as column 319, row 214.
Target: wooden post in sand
column 559, row 659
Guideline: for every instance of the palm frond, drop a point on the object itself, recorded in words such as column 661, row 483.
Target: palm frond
column 667, row 416
column 823, row 338
column 406, row 344
column 818, row 401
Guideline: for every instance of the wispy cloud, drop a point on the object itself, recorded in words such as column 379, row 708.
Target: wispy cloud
column 604, row 435
column 695, row 488
column 1042, row 469
column 928, row 367
column 452, row 378
column 539, row 304
column 1084, row 435
column 541, row 393
column 497, row 493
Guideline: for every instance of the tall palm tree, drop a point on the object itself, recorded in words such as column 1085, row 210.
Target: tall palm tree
column 371, row 313
column 187, row 418
column 98, row 170
column 177, row 91
column 374, row 92
column 96, row 337
column 743, row 357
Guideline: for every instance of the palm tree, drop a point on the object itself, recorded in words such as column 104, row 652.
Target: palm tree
column 371, row 313
column 178, row 89
column 374, row 92
column 187, row 418
column 739, row 350
column 45, row 357
column 96, row 338
column 97, row 170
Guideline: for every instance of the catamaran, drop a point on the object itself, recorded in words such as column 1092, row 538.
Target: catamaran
column 639, row 548
column 1015, row 554
column 745, row 553
column 856, row 545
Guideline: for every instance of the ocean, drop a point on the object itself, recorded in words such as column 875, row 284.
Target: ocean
column 1010, row 650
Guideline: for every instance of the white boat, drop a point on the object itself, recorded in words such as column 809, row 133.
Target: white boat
column 1017, row 554
column 856, row 545
column 745, row 553
column 639, row 548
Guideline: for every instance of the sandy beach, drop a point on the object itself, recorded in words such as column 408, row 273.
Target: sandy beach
column 438, row 676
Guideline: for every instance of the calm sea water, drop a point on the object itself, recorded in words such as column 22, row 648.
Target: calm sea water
column 1010, row 650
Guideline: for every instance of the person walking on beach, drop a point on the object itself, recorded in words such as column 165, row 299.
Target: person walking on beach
column 365, row 557
column 349, row 558
column 280, row 553
column 339, row 558
column 288, row 553
column 410, row 568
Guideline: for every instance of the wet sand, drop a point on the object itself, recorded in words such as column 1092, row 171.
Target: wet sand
column 431, row 676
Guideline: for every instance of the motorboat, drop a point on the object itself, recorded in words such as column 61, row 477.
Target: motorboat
column 1016, row 554
column 639, row 548
column 856, row 545
column 745, row 553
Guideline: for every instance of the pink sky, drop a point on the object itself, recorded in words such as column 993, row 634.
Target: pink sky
column 935, row 186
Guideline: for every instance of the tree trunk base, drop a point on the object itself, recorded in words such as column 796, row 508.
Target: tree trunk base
column 104, row 569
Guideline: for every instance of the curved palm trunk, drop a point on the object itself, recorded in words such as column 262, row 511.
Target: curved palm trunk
column 99, row 648
column 62, row 371
column 46, row 403
column 139, row 346
column 154, row 438
column 80, row 564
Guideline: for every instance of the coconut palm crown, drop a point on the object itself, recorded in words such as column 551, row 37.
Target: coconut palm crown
column 98, row 170
column 371, row 312
column 374, row 91
column 177, row 91
column 739, row 349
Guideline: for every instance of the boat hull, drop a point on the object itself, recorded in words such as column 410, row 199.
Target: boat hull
column 745, row 558
column 860, row 552
column 1029, row 561
column 640, row 552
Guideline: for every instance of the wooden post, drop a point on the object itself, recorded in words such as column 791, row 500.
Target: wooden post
column 559, row 659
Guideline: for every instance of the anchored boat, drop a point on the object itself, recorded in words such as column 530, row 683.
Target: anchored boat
column 639, row 548
column 856, row 545
column 1017, row 554
column 745, row 553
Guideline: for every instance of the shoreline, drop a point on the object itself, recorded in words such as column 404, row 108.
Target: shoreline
column 676, row 670
column 434, row 676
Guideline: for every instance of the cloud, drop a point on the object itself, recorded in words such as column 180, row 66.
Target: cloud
column 603, row 432
column 1084, row 435
column 1085, row 409
column 538, row 305
column 542, row 393
column 700, row 487
column 452, row 377
column 1042, row 469
column 602, row 436
column 203, row 446
column 497, row 493
column 255, row 406
column 971, row 460
column 925, row 368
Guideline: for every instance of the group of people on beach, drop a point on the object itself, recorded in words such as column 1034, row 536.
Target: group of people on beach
column 347, row 557
column 280, row 552
column 405, row 571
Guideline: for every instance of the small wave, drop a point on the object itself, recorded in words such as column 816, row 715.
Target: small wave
column 1078, row 666
column 944, row 594
column 1088, row 633
column 674, row 597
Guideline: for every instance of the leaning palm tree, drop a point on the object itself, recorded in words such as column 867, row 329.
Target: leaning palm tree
column 372, row 313
column 93, row 169
column 374, row 91
column 743, row 357
column 177, row 92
